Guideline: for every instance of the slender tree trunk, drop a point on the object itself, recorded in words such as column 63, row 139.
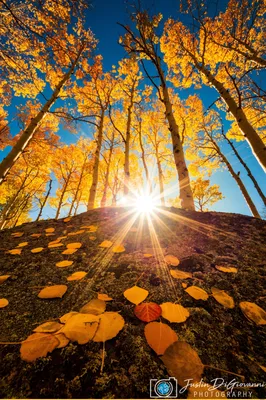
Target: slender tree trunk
column 239, row 182
column 95, row 173
column 144, row 159
column 77, row 205
column 77, row 190
column 257, row 187
column 252, row 137
column 28, row 133
column 45, row 200
column 21, row 211
column 106, row 180
column 160, row 176
column 186, row 194
column 127, row 142
column 62, row 197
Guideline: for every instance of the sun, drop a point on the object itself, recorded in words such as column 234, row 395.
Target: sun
column 145, row 204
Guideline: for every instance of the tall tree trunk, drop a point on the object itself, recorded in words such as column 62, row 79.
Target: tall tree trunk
column 185, row 192
column 77, row 190
column 252, row 177
column 160, row 176
column 77, row 205
column 239, row 182
column 144, row 159
column 21, row 211
column 62, row 197
column 127, row 141
column 45, row 200
column 95, row 173
column 252, row 137
column 28, row 133
column 106, row 180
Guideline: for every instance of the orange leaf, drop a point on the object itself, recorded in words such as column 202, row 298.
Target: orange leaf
column 147, row 312
column 159, row 336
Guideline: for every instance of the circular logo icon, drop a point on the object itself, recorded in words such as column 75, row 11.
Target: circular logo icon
column 163, row 388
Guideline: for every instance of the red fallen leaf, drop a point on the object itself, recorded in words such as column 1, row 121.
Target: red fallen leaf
column 147, row 312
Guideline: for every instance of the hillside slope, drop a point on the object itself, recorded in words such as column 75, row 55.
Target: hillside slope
column 223, row 337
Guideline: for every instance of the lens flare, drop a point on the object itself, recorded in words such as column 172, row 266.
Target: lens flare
column 145, row 204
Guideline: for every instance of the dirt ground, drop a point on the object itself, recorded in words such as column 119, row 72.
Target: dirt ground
column 223, row 338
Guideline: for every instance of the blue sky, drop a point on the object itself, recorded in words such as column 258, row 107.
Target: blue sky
column 102, row 19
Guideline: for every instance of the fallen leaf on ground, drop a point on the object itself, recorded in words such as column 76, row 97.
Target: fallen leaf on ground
column 159, row 336
column 3, row 303
column 76, row 233
column 136, row 294
column 48, row 327
column 183, row 362
column 92, row 237
column 17, row 234
column 172, row 260
column 65, row 263
column 63, row 340
column 67, row 219
column 147, row 255
column 49, row 230
column 23, row 244
column 55, row 245
column 177, row 274
column 147, row 312
column 105, row 297
column 69, row 251
column 95, row 307
column 3, row 278
column 118, row 249
column 75, row 245
column 253, row 312
column 37, row 250
column 106, row 244
column 174, row 312
column 81, row 327
column 110, row 324
column 37, row 345
column 51, row 292
column 76, row 276
column 50, row 234
column 15, row 251
column 184, row 285
column 226, row 269
column 223, row 298
column 197, row 293
column 36, row 235
column 66, row 316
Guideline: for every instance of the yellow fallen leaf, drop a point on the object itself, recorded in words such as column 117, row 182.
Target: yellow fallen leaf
column 75, row 233
column 118, row 249
column 65, row 263
column 66, row 316
column 110, row 324
column 92, row 237
column 106, row 244
column 37, row 250
column 76, row 276
column 48, row 327
column 67, row 219
column 184, row 285
column 93, row 228
column 81, row 327
column 52, row 245
column 3, row 278
column 172, row 260
column 104, row 297
column 3, row 303
column 50, row 234
column 183, row 363
column 177, row 274
column 63, row 340
column 136, row 294
column 159, row 336
column 51, row 292
column 49, row 230
column 95, row 307
column 226, row 269
column 38, row 345
column 174, row 312
column 61, row 238
column 253, row 312
column 37, row 235
column 17, row 234
column 69, row 251
column 197, row 293
column 76, row 245
column 223, row 298
column 23, row 244
column 147, row 255
column 15, row 251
